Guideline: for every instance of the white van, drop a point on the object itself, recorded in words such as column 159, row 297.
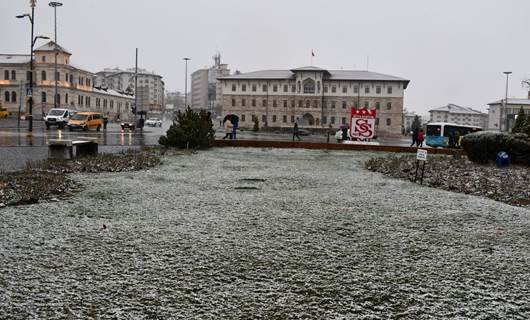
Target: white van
column 58, row 117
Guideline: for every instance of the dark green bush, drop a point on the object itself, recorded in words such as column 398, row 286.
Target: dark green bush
column 190, row 129
column 483, row 147
column 520, row 123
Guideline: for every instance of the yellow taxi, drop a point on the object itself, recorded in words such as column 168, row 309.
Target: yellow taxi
column 3, row 113
column 86, row 121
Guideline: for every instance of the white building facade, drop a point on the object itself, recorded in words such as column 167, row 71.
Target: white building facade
column 151, row 90
column 206, row 90
column 460, row 115
column 313, row 97
column 75, row 86
column 498, row 113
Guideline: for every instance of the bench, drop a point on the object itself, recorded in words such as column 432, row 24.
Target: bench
column 68, row 149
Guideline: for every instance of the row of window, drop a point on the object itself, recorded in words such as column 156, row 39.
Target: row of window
column 67, row 77
column 316, row 104
column 10, row 97
column 44, row 59
column 83, row 100
column 332, row 120
column 13, row 75
column 309, row 87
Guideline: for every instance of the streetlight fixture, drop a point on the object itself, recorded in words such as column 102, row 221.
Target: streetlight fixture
column 507, row 73
column 55, row 77
column 186, row 84
column 33, row 39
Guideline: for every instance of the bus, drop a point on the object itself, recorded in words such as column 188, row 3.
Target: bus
column 439, row 134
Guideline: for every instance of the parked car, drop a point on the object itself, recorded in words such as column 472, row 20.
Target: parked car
column 3, row 113
column 128, row 125
column 86, row 121
column 303, row 132
column 153, row 122
column 58, row 117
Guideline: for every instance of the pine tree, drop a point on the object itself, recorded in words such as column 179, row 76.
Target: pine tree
column 520, row 122
column 190, row 129
column 416, row 123
column 526, row 126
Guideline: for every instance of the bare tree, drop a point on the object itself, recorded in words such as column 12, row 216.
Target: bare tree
column 526, row 84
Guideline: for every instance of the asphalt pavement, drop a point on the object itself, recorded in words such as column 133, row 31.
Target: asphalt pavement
column 20, row 148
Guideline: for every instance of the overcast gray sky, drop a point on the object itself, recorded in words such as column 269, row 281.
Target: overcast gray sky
column 453, row 51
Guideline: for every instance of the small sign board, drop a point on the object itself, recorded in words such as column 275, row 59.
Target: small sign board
column 29, row 93
column 421, row 155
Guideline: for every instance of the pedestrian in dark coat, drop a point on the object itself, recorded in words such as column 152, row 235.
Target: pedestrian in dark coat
column 295, row 132
column 420, row 138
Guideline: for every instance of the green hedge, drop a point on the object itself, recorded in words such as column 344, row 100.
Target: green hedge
column 483, row 146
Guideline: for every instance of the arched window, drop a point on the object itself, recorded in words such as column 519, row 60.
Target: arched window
column 43, row 75
column 43, row 96
column 309, row 86
column 13, row 96
column 6, row 75
column 13, row 75
column 6, row 96
column 71, row 78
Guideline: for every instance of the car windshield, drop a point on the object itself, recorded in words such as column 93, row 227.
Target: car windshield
column 56, row 112
column 80, row 116
column 153, row 119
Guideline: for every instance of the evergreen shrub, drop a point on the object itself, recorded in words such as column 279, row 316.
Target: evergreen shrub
column 190, row 129
column 482, row 147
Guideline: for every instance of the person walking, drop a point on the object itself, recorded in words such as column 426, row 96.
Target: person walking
column 329, row 131
column 414, row 137
column 234, row 128
column 420, row 138
column 105, row 121
column 228, row 129
column 295, row 132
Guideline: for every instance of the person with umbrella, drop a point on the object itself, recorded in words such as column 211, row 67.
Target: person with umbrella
column 229, row 127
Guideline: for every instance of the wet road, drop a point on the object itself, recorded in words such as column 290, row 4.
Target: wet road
column 114, row 136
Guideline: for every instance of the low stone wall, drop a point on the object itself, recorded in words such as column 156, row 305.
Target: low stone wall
column 329, row 146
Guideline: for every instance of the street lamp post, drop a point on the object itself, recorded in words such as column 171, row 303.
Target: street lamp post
column 186, row 84
column 30, row 91
column 55, row 77
column 507, row 73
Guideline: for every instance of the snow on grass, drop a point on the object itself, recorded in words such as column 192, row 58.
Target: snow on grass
column 310, row 235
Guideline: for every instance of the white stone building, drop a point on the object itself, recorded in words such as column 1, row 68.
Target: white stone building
column 75, row 86
column 206, row 91
column 497, row 112
column 151, row 89
column 313, row 97
column 459, row 115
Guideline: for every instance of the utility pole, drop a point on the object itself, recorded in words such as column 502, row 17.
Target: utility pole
column 507, row 73
column 186, row 84
column 136, row 87
column 55, row 76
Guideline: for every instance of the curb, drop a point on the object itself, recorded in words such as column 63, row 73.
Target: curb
column 327, row 146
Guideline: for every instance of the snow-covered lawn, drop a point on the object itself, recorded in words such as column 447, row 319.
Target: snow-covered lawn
column 264, row 234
